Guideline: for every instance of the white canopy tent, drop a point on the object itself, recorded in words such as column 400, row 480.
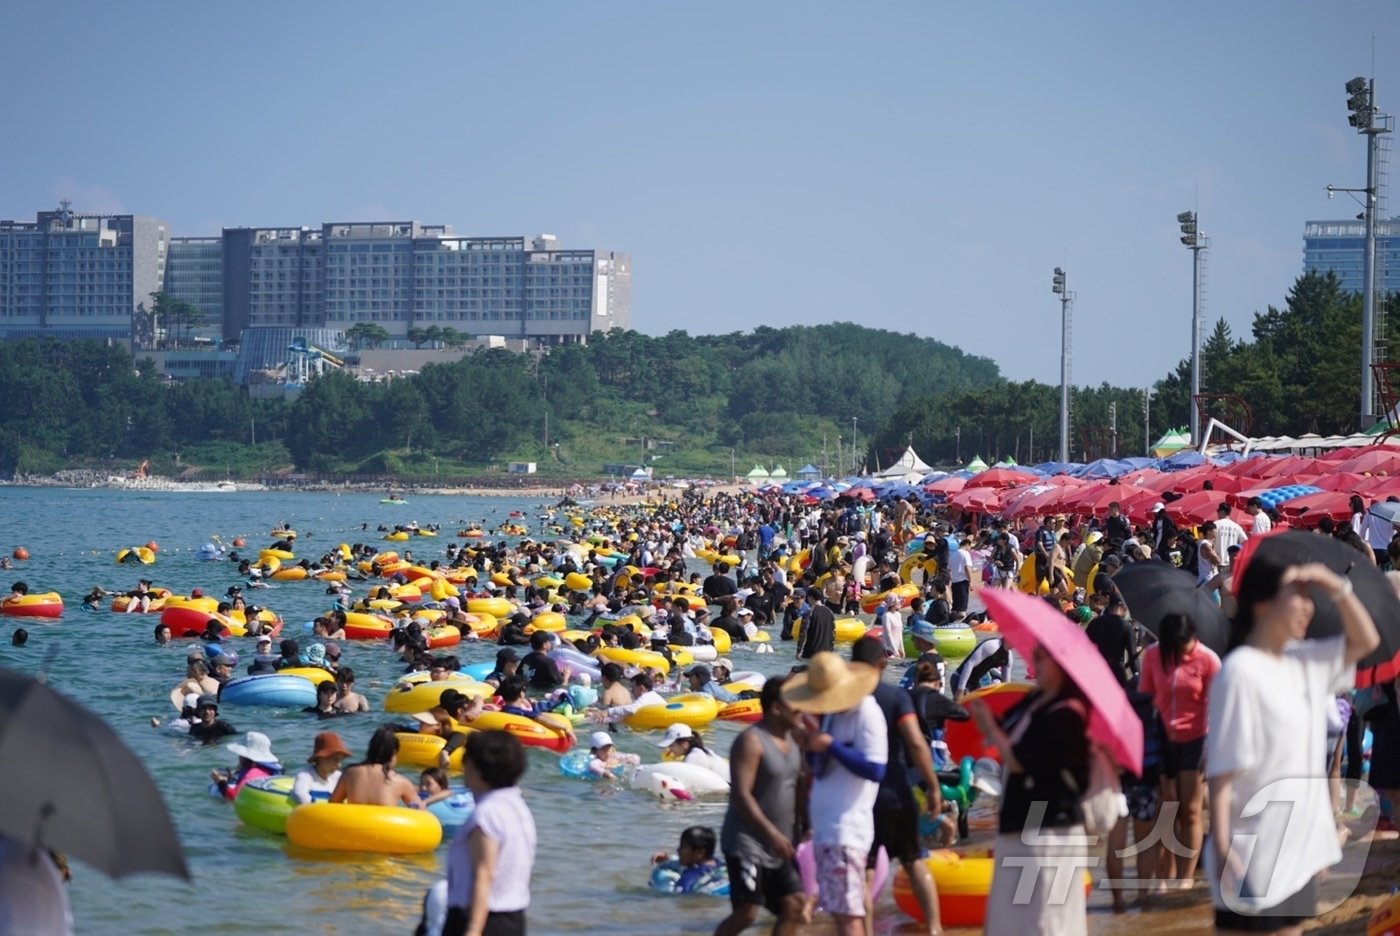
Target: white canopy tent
column 907, row 464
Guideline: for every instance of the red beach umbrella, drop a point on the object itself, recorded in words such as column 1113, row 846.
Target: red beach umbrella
column 1380, row 460
column 1002, row 477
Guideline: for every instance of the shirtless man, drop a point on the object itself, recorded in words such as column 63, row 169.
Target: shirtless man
column 197, row 680
column 615, row 690
column 347, row 699
column 374, row 781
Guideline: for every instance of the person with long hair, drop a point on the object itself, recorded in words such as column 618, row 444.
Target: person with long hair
column 1044, row 746
column 375, row 781
column 1177, row 673
column 1266, row 747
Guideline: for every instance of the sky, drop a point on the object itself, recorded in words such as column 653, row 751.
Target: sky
column 916, row 166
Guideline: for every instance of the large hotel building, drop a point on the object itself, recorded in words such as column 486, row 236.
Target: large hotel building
column 70, row 275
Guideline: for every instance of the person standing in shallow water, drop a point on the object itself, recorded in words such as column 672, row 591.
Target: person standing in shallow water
column 1268, row 728
column 493, row 855
column 760, row 828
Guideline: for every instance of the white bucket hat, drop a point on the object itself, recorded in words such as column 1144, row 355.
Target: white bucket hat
column 675, row 733
column 257, row 747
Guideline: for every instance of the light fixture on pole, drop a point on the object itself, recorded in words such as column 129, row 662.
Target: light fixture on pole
column 1367, row 119
column 1057, row 286
column 1194, row 241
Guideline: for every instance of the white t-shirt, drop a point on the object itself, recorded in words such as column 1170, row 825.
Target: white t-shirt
column 842, row 804
column 650, row 697
column 503, row 817
column 1262, row 524
column 308, row 781
column 959, row 562
column 1205, row 569
column 1227, row 533
column 1268, row 727
column 1377, row 532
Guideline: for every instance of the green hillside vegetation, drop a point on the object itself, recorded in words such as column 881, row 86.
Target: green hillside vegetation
column 684, row 404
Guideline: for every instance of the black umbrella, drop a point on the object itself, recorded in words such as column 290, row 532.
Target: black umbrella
column 70, row 784
column 1152, row 590
column 1294, row 547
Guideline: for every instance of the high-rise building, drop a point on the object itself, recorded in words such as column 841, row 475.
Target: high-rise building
column 68, row 275
column 194, row 273
column 1338, row 246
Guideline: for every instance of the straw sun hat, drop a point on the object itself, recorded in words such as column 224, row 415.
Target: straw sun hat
column 830, row 684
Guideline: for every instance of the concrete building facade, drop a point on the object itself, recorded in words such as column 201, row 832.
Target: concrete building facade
column 69, row 275
column 194, row 273
column 1338, row 246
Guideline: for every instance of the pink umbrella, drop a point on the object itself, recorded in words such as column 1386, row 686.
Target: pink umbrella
column 1094, row 501
column 949, row 485
column 982, row 500
column 1038, row 504
column 1310, row 508
column 1002, row 477
column 1291, row 465
column 1379, row 460
column 1027, row 622
column 1339, row 481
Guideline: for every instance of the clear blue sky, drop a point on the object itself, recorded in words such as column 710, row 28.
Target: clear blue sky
column 916, row 166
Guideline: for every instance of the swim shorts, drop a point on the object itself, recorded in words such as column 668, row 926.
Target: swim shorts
column 841, row 878
column 750, row 883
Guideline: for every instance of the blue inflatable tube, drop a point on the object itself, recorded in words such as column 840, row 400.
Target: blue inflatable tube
column 453, row 812
column 272, row 689
column 478, row 671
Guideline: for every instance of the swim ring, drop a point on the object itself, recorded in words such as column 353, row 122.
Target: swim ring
column 388, row 830
column 265, row 803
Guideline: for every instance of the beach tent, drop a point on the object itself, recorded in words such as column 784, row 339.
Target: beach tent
column 759, row 473
column 976, row 465
column 1007, row 462
column 1173, row 441
column 641, row 475
column 809, row 472
column 906, row 464
column 778, row 472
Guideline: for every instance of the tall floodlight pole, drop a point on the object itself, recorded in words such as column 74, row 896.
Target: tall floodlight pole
column 1364, row 116
column 1057, row 286
column 1195, row 242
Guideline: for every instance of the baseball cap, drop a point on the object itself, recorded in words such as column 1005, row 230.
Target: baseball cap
column 1158, row 506
column 725, row 662
column 675, row 733
column 506, row 655
column 699, row 669
column 264, row 640
column 923, row 630
column 744, row 612
column 600, row 739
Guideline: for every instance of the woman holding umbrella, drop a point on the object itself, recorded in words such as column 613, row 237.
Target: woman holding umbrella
column 1044, row 748
column 1268, row 717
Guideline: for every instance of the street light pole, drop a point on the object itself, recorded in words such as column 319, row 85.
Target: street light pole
column 1057, row 286
column 855, row 457
column 1194, row 241
column 1367, row 119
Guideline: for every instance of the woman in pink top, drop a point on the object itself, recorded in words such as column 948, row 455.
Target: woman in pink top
column 1177, row 672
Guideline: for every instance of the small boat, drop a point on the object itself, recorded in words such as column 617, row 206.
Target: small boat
column 226, row 486
column 399, row 501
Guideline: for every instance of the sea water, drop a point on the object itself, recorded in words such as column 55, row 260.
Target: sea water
column 595, row 840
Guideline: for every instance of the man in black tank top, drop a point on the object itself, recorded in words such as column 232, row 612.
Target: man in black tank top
column 761, row 826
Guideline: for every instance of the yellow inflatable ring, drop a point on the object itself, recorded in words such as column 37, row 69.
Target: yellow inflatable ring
column 849, row 629
column 282, row 554
column 577, row 581
column 419, row 697
column 915, row 562
column 693, row 709
column 645, row 658
column 422, row 750
column 290, row 574
column 312, row 673
column 389, row 830
column 496, row 607
column 551, row 621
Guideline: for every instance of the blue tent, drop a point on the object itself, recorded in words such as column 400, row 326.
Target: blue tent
column 1055, row 468
column 1102, row 468
column 1136, row 462
column 1179, row 461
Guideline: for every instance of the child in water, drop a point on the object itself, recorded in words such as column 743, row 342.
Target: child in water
column 606, row 759
column 694, row 870
column 432, row 786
